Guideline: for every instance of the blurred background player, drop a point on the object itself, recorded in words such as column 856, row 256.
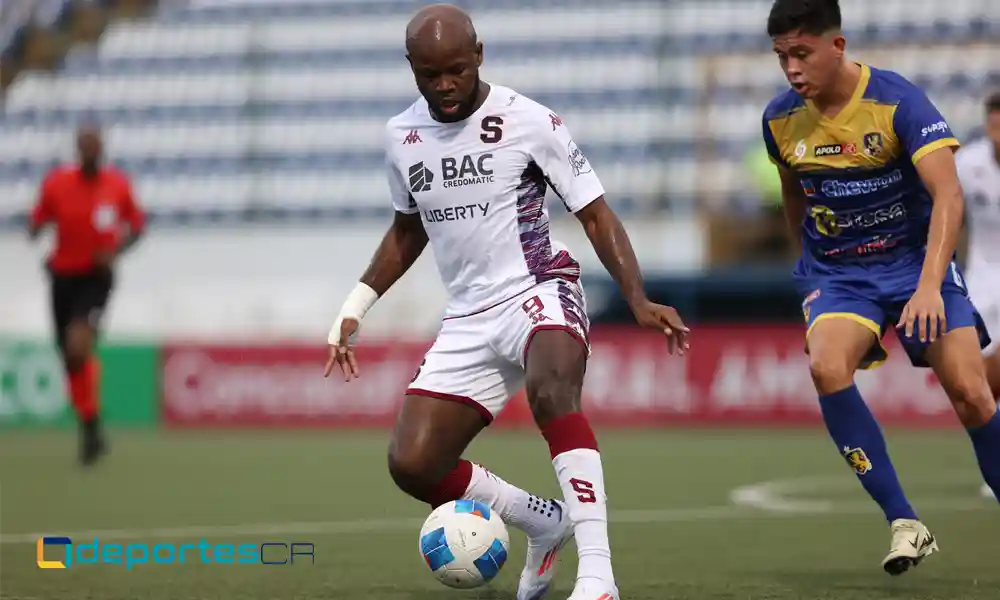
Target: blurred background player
column 870, row 187
column 96, row 218
column 469, row 167
column 979, row 171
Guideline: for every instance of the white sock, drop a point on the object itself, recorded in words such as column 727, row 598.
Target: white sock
column 581, row 477
column 531, row 514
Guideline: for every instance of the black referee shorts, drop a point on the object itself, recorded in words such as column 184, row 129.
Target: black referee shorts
column 76, row 297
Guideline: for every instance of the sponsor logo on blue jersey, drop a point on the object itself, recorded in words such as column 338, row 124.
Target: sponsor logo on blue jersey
column 837, row 188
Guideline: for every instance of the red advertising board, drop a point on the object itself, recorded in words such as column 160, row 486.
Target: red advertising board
column 734, row 375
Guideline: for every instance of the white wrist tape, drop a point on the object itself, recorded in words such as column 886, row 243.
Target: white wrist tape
column 357, row 305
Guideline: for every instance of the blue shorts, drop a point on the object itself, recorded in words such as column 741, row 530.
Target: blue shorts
column 877, row 303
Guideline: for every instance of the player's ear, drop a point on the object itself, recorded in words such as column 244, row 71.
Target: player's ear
column 840, row 43
column 479, row 54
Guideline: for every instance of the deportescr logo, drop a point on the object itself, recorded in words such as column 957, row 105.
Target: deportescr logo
column 420, row 178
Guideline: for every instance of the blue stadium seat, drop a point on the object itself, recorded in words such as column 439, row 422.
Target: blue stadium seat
column 233, row 110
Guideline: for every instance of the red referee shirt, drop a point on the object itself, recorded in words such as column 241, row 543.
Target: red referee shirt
column 88, row 214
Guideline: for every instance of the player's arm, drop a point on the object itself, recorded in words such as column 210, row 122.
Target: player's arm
column 937, row 170
column 962, row 251
column 401, row 246
column 43, row 211
column 574, row 181
column 134, row 216
column 928, row 140
column 793, row 197
column 611, row 243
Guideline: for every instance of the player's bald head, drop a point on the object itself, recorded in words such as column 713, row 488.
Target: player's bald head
column 440, row 25
column 445, row 53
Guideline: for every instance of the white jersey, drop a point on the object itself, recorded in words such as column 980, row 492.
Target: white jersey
column 979, row 172
column 480, row 186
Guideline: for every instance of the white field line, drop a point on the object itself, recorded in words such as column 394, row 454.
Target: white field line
column 778, row 497
column 764, row 500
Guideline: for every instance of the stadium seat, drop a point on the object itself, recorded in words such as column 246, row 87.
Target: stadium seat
column 249, row 106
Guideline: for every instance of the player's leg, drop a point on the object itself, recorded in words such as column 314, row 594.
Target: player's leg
column 992, row 362
column 551, row 336
column 956, row 358
column 73, row 300
column 457, row 391
column 844, row 334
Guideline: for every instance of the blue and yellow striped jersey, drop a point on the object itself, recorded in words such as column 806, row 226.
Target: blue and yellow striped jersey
column 866, row 203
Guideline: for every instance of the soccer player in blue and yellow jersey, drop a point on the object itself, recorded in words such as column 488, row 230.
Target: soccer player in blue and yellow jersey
column 870, row 189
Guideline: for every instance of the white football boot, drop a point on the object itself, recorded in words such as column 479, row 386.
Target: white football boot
column 543, row 550
column 594, row 589
column 987, row 492
column 911, row 543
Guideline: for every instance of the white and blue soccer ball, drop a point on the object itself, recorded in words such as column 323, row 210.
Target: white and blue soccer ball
column 464, row 543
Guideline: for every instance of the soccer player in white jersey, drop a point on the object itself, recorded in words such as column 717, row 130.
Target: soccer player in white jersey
column 979, row 171
column 469, row 164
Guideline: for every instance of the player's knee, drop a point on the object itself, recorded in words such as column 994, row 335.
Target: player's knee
column 554, row 394
column 830, row 374
column 993, row 374
column 973, row 401
column 414, row 470
column 78, row 343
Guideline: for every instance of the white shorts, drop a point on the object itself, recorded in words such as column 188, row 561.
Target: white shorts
column 983, row 280
column 479, row 359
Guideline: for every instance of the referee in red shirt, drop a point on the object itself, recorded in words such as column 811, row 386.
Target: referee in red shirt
column 96, row 218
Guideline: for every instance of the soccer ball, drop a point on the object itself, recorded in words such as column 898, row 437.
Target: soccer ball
column 464, row 543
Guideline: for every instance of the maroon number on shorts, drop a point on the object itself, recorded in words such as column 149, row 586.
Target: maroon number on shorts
column 584, row 490
column 492, row 130
column 533, row 307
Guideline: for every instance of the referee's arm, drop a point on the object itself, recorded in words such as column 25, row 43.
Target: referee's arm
column 133, row 214
column 42, row 213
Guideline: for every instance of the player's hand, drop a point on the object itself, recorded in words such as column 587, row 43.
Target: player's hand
column 342, row 353
column 925, row 313
column 665, row 319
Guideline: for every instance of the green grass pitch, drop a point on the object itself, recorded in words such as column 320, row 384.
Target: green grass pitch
column 676, row 531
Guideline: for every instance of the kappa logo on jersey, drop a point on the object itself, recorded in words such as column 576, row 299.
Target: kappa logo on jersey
column 468, row 170
column 835, row 149
column 420, row 178
column 555, row 120
column 577, row 159
column 412, row 138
